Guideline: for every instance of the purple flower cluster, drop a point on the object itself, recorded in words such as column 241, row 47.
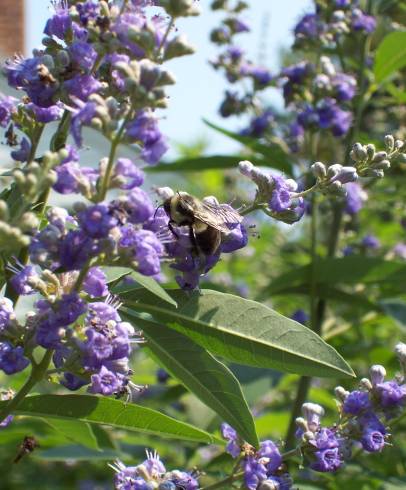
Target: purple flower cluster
column 333, row 22
column 237, row 67
column 152, row 474
column 364, row 416
column 263, row 468
column 318, row 98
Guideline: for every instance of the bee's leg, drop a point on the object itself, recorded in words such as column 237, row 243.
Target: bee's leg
column 171, row 229
column 193, row 241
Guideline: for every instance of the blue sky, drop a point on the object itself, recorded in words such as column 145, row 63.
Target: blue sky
column 198, row 91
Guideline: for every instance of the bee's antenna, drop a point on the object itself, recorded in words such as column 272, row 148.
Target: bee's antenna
column 156, row 210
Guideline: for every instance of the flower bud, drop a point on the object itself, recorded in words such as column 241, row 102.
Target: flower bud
column 312, row 413
column 341, row 393
column 358, row 152
column 398, row 144
column 377, row 374
column 177, row 47
column 381, row 155
column 365, row 384
column 319, row 170
column 383, row 165
column 333, row 171
column 246, row 168
column 370, row 151
column 389, row 142
column 400, row 351
column 301, row 423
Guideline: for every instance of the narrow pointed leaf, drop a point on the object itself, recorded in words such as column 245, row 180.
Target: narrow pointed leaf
column 209, row 379
column 390, row 55
column 116, row 274
column 115, row 413
column 275, row 155
column 245, row 332
column 76, row 431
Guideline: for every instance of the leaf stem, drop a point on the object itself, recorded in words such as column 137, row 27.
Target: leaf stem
column 38, row 372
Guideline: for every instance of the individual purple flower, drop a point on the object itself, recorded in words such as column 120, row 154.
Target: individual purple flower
column 372, row 440
column 60, row 23
column 106, row 382
column 331, row 116
column 96, row 221
column 88, row 11
column 75, row 249
column 46, row 114
column 82, row 115
column 270, row 452
column 83, row 55
column 6, row 313
column 391, row 394
column 23, row 279
column 100, row 313
column 300, row 316
column 12, row 359
column 254, row 472
column 261, row 76
column 259, row 124
column 8, row 106
column 357, row 402
column 124, row 26
column 281, row 195
column 371, row 241
column 98, row 347
column 95, row 283
column 308, row 27
column 355, row 198
column 146, row 247
column 237, row 238
column 327, row 460
column 68, row 177
column 399, row 250
column 81, row 86
column 130, row 175
column 72, row 382
column 230, row 435
column 344, row 86
column 144, row 128
column 34, row 76
column 363, row 22
column 22, row 154
column 140, row 207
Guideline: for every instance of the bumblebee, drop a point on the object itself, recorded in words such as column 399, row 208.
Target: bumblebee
column 207, row 220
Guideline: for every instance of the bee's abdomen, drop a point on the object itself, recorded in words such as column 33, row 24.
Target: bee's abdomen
column 208, row 240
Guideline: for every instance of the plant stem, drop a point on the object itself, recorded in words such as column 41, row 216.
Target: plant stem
column 38, row 372
column 109, row 169
column 165, row 37
column 225, row 482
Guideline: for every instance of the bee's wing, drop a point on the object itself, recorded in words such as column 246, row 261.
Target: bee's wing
column 217, row 215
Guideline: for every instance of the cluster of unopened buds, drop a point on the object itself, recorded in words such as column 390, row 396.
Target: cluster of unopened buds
column 372, row 163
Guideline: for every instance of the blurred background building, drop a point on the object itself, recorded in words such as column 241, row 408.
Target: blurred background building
column 12, row 27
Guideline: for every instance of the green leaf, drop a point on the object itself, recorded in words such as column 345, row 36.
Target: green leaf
column 199, row 164
column 245, row 332
column 76, row 431
column 277, row 157
column 106, row 411
column 326, row 291
column 390, row 55
column 345, row 270
column 77, row 453
column 116, row 274
column 210, row 380
column 396, row 309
